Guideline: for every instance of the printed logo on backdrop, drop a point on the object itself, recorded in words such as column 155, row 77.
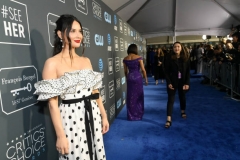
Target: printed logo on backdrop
column 51, row 19
column 116, row 43
column 14, row 26
column 86, row 37
column 119, row 103
column 111, row 89
column 29, row 145
column 121, row 62
column 103, row 94
column 129, row 31
column 98, row 40
column 109, row 48
column 117, row 64
column 112, row 111
column 100, row 65
column 81, row 6
column 123, row 80
column 97, row 10
column 126, row 45
column 107, row 17
column 110, row 66
column 121, row 45
column 118, row 84
column 63, row 1
column 17, row 88
column 125, row 28
column 120, row 26
column 124, row 97
column 115, row 22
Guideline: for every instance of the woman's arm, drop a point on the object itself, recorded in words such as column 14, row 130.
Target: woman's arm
column 187, row 72
column 49, row 72
column 143, row 71
column 125, row 69
column 105, row 124
column 187, row 77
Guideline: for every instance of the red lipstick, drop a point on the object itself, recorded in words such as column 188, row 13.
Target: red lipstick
column 77, row 41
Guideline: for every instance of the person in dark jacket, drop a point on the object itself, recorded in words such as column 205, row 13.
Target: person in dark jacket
column 177, row 73
column 158, row 62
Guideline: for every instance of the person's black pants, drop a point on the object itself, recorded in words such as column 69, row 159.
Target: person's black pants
column 171, row 98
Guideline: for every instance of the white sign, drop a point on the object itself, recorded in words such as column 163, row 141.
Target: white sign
column 14, row 26
column 81, row 6
column 17, row 88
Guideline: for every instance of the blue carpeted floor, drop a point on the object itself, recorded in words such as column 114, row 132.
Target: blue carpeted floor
column 210, row 132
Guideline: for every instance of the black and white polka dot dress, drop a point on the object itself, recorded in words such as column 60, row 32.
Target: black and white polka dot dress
column 77, row 85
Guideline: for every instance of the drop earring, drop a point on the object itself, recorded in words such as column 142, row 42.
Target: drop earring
column 62, row 43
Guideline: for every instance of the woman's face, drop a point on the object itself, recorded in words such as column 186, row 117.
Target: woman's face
column 177, row 48
column 75, row 35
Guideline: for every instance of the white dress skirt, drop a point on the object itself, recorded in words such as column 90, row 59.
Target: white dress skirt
column 80, row 114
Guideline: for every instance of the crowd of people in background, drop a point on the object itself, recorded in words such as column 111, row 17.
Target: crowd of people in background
column 225, row 51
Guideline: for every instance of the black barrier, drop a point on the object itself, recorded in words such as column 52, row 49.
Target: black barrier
column 226, row 74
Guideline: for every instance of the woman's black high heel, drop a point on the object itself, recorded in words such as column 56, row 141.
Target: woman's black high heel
column 184, row 115
column 168, row 124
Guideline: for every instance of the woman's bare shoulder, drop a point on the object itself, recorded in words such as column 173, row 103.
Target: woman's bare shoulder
column 85, row 61
column 125, row 58
column 52, row 61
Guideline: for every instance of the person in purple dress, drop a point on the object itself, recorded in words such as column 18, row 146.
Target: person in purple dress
column 135, row 97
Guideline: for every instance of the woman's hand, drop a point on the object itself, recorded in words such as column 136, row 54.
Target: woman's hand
column 170, row 87
column 62, row 145
column 185, row 87
column 105, row 125
column 146, row 82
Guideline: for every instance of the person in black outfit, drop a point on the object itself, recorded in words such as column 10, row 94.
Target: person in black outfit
column 158, row 62
column 177, row 73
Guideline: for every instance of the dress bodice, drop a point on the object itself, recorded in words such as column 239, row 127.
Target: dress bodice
column 133, row 65
column 71, row 85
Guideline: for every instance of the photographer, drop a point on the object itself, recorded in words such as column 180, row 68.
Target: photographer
column 230, row 52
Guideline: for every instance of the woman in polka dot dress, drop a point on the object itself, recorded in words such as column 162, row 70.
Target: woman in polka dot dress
column 80, row 120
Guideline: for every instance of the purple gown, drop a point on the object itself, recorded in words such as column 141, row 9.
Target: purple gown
column 135, row 98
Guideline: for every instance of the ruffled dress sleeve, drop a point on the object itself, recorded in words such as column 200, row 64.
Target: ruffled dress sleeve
column 67, row 84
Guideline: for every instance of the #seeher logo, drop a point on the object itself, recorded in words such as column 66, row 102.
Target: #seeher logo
column 100, row 64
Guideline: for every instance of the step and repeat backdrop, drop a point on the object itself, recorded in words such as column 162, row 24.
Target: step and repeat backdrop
column 26, row 41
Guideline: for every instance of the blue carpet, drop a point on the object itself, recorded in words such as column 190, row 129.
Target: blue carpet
column 210, row 132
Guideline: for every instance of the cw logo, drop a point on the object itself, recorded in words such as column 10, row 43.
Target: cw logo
column 99, row 40
column 107, row 17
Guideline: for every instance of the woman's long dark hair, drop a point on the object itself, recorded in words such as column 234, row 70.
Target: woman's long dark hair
column 132, row 49
column 64, row 24
column 183, row 54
